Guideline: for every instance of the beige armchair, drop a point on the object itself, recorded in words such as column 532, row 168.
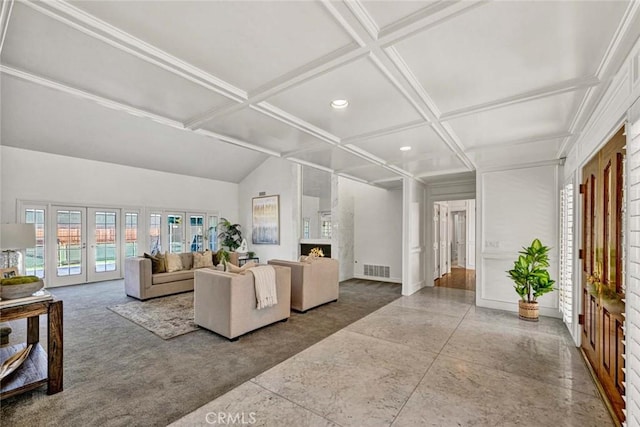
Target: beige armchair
column 312, row 283
column 225, row 303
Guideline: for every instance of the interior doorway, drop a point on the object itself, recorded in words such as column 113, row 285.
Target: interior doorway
column 454, row 244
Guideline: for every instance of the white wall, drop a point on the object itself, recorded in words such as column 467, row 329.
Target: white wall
column 378, row 230
column 414, row 237
column 343, row 225
column 274, row 177
column 36, row 176
column 471, row 234
column 515, row 206
column 311, row 209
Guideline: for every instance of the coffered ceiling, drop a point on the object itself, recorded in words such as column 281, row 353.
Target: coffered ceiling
column 212, row 88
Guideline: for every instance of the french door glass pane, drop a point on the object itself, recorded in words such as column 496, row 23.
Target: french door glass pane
column 69, row 244
column 196, row 225
column 213, row 233
column 105, row 249
column 131, row 234
column 175, row 230
column 34, row 262
column 155, row 245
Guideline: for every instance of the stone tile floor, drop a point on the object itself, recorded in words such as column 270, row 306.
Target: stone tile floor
column 429, row 359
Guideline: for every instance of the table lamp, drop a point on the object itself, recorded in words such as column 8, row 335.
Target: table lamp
column 13, row 239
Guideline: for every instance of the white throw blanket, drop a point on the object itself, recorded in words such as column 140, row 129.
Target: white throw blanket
column 264, row 279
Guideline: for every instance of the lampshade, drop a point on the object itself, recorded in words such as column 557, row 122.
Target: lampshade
column 17, row 236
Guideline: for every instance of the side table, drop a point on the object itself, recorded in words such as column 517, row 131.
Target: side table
column 40, row 367
column 243, row 261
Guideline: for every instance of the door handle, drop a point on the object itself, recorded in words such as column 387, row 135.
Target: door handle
column 84, row 246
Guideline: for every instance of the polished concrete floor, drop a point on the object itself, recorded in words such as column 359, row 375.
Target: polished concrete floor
column 429, row 359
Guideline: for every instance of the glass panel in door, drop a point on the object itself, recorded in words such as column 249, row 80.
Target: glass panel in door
column 155, row 238
column 104, row 253
column 35, row 259
column 196, row 232
column 70, row 246
column 212, row 230
column 175, row 233
column 130, row 234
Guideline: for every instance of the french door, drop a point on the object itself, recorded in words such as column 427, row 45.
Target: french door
column 87, row 245
column 603, row 290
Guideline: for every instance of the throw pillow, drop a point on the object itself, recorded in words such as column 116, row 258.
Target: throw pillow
column 240, row 270
column 202, row 260
column 211, row 255
column 158, row 264
column 174, row 262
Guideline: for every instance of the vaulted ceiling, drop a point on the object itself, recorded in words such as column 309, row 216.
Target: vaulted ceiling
column 212, row 88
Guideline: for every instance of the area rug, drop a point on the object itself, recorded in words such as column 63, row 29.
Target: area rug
column 167, row 317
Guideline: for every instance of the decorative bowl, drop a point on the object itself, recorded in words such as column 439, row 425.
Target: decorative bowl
column 20, row 291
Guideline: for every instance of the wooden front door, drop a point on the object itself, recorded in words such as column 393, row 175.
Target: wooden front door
column 602, row 282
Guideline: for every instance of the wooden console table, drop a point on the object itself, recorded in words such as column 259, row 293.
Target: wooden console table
column 243, row 261
column 40, row 367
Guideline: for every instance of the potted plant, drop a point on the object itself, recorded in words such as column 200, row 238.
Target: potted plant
column 230, row 234
column 223, row 258
column 531, row 278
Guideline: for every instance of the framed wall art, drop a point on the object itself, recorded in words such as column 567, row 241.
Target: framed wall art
column 266, row 220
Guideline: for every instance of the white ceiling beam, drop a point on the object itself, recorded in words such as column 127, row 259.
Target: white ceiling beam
column 364, row 18
column 198, row 120
column 105, row 102
column 383, row 180
column 316, row 68
column 530, row 140
column 312, row 165
column 571, row 85
column 134, row 111
column 425, row 19
column 366, row 137
column 309, row 149
column 293, row 121
column 609, row 65
column 440, row 173
column 614, row 53
column 94, row 27
column 5, row 15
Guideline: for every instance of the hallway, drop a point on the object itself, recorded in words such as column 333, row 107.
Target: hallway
column 431, row 358
column 459, row 278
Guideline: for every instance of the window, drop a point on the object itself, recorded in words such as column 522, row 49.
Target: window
column 566, row 253
column 175, row 232
column 105, row 235
column 213, row 232
column 196, row 227
column 325, row 225
column 306, row 228
column 155, row 244
column 34, row 261
column 130, row 234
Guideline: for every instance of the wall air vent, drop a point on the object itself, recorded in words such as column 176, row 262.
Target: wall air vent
column 376, row 270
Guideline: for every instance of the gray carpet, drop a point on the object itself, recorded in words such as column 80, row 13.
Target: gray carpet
column 166, row 317
column 119, row 374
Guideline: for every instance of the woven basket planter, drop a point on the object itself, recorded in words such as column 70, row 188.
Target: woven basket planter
column 528, row 311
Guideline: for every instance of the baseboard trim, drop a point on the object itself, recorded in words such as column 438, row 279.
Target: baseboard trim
column 378, row 279
column 603, row 395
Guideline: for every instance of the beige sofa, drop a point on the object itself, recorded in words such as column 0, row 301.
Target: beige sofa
column 225, row 303
column 140, row 283
column 312, row 283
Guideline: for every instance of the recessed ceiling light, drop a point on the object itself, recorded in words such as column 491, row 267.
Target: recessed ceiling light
column 339, row 103
column 405, row 148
